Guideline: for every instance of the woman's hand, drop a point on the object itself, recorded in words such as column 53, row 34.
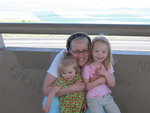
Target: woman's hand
column 94, row 77
column 79, row 85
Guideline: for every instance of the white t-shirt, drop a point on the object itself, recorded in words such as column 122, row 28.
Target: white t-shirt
column 53, row 69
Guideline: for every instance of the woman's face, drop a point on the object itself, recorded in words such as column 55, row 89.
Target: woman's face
column 79, row 49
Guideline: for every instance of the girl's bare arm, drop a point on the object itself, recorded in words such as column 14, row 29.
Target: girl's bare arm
column 110, row 79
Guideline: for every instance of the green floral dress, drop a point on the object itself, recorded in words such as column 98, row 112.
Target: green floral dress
column 72, row 102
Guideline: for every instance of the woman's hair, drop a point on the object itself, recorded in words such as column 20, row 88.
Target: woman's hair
column 68, row 60
column 77, row 35
column 109, row 59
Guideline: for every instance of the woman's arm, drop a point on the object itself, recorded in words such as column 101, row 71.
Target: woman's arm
column 50, row 79
column 91, row 84
column 77, row 86
column 52, row 74
column 93, row 81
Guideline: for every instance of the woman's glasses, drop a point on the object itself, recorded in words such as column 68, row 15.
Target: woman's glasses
column 79, row 52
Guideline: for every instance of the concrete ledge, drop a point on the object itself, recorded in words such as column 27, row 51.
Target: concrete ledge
column 117, row 52
column 56, row 50
column 31, row 49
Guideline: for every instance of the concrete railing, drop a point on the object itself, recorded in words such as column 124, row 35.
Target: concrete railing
column 47, row 28
column 23, row 72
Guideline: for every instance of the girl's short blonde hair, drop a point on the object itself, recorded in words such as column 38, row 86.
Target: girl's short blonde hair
column 68, row 60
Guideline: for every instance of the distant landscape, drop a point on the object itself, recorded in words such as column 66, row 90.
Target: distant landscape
column 104, row 16
column 96, row 17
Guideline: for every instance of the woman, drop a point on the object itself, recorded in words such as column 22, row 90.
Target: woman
column 78, row 45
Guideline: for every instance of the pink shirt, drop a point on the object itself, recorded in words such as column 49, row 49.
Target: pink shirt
column 100, row 90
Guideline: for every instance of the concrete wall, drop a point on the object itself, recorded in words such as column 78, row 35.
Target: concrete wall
column 132, row 91
column 22, row 74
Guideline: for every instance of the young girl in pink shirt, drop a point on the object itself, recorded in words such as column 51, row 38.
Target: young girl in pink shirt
column 98, row 69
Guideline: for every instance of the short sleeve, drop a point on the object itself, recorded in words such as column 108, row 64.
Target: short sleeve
column 86, row 72
column 53, row 69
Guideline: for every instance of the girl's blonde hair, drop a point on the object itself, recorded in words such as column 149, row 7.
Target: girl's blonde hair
column 109, row 59
column 68, row 60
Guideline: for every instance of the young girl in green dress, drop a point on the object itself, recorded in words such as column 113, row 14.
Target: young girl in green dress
column 69, row 74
